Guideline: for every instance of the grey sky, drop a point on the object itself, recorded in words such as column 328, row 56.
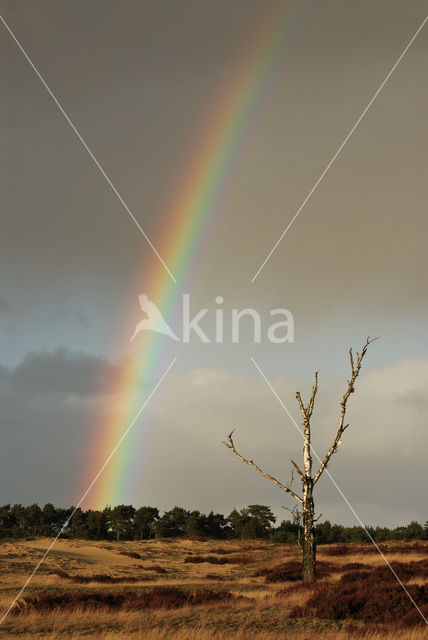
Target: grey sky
column 137, row 78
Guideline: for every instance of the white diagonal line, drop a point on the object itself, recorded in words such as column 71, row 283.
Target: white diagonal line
column 337, row 487
column 66, row 523
column 91, row 154
column 269, row 255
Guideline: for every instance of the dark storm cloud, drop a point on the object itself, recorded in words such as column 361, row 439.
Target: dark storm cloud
column 60, row 372
column 48, row 406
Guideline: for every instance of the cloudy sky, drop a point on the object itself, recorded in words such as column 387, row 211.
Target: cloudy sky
column 139, row 80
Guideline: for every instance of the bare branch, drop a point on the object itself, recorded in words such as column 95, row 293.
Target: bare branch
column 355, row 367
column 351, row 357
column 290, row 484
column 296, row 520
column 301, row 474
column 307, row 411
column 302, row 406
column 230, row 445
column 310, row 406
column 295, row 513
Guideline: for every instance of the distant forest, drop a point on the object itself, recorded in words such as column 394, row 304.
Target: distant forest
column 124, row 522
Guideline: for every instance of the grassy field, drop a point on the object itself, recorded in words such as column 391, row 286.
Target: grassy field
column 189, row 589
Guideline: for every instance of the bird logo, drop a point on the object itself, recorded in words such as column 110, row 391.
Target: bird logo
column 154, row 320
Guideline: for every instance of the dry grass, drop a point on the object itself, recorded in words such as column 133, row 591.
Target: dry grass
column 261, row 611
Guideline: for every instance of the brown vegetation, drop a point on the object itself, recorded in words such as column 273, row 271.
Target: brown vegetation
column 83, row 590
column 238, row 559
column 292, row 572
column 366, row 596
column 131, row 554
column 97, row 577
column 157, row 598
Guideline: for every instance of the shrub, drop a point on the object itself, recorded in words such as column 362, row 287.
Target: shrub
column 60, row 573
column 194, row 538
column 200, row 559
column 156, row 568
column 297, row 587
column 368, row 548
column 368, row 600
column 158, row 598
column 238, row 559
column 404, row 570
column 413, row 617
column 338, row 550
column 354, row 566
column 131, row 554
column 98, row 577
column 291, row 571
column 415, row 547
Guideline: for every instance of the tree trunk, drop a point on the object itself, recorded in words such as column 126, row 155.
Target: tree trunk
column 308, row 542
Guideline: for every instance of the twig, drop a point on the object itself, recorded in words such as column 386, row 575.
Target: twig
column 230, row 445
column 355, row 370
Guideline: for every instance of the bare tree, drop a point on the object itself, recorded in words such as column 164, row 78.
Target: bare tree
column 306, row 500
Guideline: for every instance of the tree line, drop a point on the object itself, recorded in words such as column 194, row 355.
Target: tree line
column 125, row 522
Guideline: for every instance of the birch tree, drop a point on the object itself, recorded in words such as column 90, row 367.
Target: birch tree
column 308, row 480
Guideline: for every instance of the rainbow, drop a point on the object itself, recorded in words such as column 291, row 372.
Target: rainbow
column 188, row 216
